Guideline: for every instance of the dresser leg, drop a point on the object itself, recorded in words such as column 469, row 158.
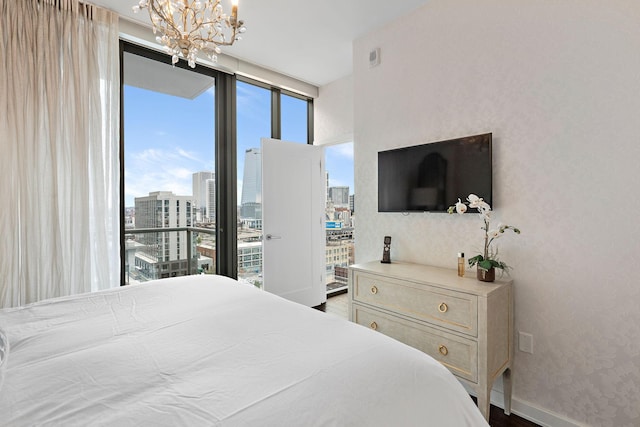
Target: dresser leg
column 506, row 385
column 484, row 403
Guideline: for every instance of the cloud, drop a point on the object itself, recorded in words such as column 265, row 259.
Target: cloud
column 181, row 173
column 188, row 155
column 143, row 184
column 157, row 169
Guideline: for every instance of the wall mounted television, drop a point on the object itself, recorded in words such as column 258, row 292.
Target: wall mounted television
column 431, row 177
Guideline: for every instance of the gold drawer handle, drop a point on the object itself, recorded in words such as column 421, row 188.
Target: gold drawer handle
column 374, row 326
column 443, row 350
column 442, row 308
column 374, row 290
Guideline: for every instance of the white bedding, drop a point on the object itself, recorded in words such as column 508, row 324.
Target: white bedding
column 208, row 351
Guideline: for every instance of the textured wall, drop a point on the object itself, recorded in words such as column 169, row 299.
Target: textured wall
column 333, row 112
column 558, row 84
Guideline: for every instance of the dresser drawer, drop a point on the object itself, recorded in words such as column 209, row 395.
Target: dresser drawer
column 459, row 355
column 452, row 310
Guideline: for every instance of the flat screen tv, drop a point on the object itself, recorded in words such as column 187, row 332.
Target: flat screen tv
column 431, row 177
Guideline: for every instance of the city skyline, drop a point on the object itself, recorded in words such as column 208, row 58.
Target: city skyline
column 169, row 163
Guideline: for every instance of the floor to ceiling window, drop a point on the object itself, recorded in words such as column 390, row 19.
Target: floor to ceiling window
column 339, row 215
column 254, row 122
column 190, row 176
column 169, row 177
column 262, row 112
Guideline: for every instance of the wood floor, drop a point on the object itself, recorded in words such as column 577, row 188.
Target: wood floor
column 338, row 305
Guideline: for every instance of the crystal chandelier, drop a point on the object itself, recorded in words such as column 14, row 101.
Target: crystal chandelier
column 189, row 26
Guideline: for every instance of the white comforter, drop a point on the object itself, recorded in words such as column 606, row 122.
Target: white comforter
column 207, row 351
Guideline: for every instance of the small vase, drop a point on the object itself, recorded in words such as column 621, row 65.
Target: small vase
column 486, row 275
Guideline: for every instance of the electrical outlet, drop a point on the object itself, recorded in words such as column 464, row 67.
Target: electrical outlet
column 525, row 342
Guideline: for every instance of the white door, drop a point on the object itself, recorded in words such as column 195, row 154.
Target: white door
column 293, row 201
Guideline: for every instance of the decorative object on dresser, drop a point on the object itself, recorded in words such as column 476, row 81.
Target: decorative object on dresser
column 461, row 264
column 465, row 325
column 487, row 261
column 386, row 250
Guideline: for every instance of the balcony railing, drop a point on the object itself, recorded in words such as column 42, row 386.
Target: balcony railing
column 151, row 258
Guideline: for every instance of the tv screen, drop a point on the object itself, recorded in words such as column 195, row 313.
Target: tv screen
column 431, row 177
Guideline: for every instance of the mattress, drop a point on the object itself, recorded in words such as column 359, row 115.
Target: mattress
column 208, row 351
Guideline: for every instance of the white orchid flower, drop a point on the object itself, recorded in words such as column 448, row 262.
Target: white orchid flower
column 478, row 203
column 473, row 200
column 489, row 257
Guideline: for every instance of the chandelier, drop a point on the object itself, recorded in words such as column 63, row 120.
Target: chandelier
column 189, row 26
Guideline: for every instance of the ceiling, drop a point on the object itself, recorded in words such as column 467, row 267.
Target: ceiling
column 305, row 39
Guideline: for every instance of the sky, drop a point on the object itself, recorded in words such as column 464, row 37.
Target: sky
column 168, row 138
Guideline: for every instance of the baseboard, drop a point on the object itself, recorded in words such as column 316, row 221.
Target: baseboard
column 530, row 412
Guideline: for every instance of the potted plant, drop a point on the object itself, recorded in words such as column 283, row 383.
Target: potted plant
column 488, row 261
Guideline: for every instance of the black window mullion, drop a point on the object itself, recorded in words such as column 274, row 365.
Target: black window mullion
column 276, row 126
column 226, row 171
column 123, row 252
column 310, row 135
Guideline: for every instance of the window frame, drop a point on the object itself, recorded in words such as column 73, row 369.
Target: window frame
column 276, row 110
column 225, row 149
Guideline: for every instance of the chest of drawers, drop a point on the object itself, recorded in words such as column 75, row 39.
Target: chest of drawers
column 465, row 324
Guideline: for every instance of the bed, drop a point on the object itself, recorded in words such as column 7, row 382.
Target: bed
column 208, row 351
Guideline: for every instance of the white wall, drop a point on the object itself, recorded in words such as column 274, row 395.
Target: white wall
column 558, row 84
column 333, row 112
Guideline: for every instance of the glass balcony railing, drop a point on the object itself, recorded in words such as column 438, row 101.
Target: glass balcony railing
column 159, row 253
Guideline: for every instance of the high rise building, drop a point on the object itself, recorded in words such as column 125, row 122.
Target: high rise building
column 352, row 202
column 339, row 196
column 163, row 254
column 336, row 255
column 251, row 200
column 210, row 200
column 199, row 182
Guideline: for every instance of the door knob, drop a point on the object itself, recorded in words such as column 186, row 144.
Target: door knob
column 272, row 237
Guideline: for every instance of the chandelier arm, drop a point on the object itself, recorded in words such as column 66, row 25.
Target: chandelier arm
column 195, row 33
column 169, row 23
column 187, row 9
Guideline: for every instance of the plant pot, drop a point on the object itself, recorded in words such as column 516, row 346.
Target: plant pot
column 486, row 275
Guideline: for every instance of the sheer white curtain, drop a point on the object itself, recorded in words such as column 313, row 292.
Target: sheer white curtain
column 59, row 132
